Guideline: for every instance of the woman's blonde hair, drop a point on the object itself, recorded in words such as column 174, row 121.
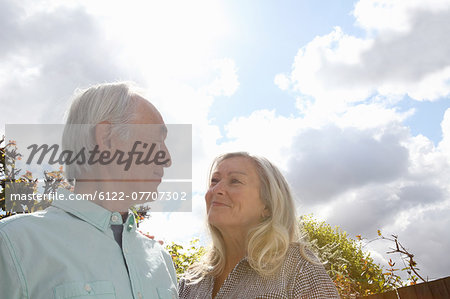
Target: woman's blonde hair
column 268, row 242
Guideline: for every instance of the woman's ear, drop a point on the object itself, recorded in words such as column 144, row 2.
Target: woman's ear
column 103, row 135
column 266, row 213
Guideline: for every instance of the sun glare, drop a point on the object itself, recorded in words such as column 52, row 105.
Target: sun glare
column 161, row 36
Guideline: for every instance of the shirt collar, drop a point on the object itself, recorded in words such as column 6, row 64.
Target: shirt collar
column 92, row 213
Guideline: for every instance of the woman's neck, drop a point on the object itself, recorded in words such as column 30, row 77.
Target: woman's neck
column 235, row 248
column 235, row 251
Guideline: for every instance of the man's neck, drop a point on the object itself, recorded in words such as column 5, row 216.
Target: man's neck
column 105, row 196
column 124, row 216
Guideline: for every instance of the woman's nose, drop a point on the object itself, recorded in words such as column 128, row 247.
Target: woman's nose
column 218, row 188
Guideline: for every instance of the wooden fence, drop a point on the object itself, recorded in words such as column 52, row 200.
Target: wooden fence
column 436, row 289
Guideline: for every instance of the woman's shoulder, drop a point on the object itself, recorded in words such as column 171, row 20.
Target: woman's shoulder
column 189, row 286
column 299, row 253
column 308, row 274
column 302, row 263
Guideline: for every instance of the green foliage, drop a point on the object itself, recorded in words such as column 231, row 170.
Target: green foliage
column 183, row 258
column 353, row 270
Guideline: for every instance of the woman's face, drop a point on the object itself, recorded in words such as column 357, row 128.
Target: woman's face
column 232, row 200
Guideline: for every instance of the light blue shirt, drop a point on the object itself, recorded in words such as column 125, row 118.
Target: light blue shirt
column 69, row 251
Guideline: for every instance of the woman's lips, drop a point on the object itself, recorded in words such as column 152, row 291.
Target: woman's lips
column 219, row 204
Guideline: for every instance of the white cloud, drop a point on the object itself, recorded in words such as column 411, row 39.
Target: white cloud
column 365, row 116
column 355, row 163
column 375, row 113
column 383, row 178
column 281, row 81
column 262, row 133
column 423, row 231
column 227, row 82
column 330, row 161
column 49, row 48
column 48, row 55
column 406, row 54
column 395, row 15
column 430, row 228
column 313, row 59
column 444, row 145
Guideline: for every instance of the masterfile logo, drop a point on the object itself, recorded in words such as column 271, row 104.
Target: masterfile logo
column 144, row 163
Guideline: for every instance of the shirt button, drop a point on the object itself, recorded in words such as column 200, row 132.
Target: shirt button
column 87, row 288
column 114, row 218
column 139, row 295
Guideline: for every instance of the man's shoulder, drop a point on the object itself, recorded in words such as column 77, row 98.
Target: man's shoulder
column 153, row 247
column 19, row 219
column 22, row 222
column 149, row 242
column 147, row 238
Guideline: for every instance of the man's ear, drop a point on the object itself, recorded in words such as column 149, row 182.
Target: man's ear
column 103, row 135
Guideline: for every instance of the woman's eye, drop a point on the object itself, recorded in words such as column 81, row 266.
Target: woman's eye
column 214, row 181
column 235, row 181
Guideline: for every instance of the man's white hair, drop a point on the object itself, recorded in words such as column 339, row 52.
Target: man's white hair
column 111, row 102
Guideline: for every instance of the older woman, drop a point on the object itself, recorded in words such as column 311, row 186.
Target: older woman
column 255, row 251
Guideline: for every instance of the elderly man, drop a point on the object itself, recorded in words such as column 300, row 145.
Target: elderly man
column 90, row 248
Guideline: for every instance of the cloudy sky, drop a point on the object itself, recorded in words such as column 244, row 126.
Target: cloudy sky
column 351, row 99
